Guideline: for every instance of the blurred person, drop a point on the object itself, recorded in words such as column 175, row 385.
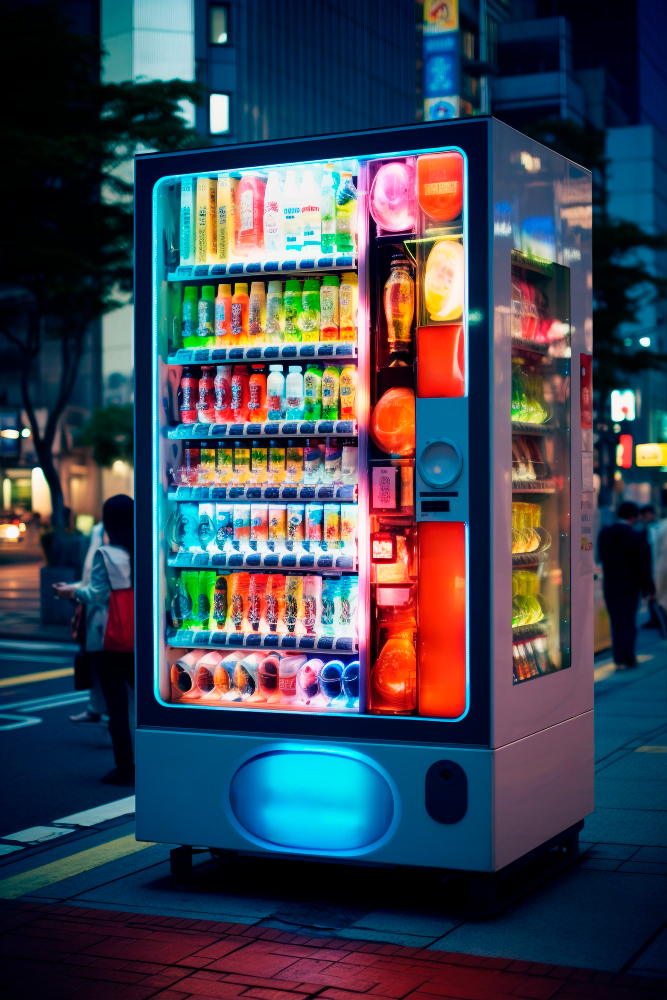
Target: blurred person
column 95, row 710
column 649, row 526
column 626, row 563
column 112, row 569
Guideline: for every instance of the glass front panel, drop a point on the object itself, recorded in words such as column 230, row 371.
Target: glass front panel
column 290, row 305
column 540, row 412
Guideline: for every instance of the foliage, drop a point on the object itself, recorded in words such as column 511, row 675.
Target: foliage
column 109, row 431
column 66, row 253
column 622, row 281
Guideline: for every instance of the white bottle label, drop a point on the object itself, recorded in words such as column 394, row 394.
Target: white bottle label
column 247, row 203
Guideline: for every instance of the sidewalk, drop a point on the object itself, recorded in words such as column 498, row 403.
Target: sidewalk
column 116, row 925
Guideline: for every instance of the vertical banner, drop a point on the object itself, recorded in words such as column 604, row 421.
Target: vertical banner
column 441, row 59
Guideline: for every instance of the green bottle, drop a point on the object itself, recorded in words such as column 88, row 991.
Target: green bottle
column 189, row 324
column 312, row 393
column 309, row 320
column 292, row 309
column 206, row 317
column 330, row 392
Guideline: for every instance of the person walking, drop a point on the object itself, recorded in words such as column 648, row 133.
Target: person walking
column 626, row 564
column 95, row 711
column 112, row 571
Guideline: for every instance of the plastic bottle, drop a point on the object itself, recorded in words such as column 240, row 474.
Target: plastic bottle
column 190, row 318
column 294, row 393
column 206, row 402
column 291, row 212
column 348, row 298
column 333, row 458
column 328, row 210
column 399, row 304
column 292, row 307
column 223, row 393
column 310, row 214
column 240, row 311
column 346, row 214
column 259, row 460
column 349, row 464
column 312, row 393
column 311, row 463
column 223, row 316
column 240, row 394
column 309, row 320
column 273, row 223
column 329, row 321
column 330, row 392
column 276, row 462
column 275, row 392
column 241, row 462
column 257, row 408
column 206, row 317
column 257, row 311
column 250, row 215
column 288, row 668
column 348, row 393
column 274, row 312
column 294, row 463
column 189, row 394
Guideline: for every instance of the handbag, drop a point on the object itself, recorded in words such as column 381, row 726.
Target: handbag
column 119, row 633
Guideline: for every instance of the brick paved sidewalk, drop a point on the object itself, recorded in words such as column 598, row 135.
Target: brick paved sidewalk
column 50, row 951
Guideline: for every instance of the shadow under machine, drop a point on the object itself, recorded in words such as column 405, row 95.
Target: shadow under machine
column 364, row 466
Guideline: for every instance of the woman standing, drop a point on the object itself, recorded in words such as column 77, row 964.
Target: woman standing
column 113, row 569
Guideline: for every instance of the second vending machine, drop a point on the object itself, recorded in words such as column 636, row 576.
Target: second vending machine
column 358, row 372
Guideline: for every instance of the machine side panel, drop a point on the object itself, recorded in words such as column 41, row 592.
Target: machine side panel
column 542, row 785
column 530, row 180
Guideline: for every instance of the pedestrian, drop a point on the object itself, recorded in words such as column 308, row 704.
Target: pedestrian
column 94, row 713
column 112, row 570
column 626, row 564
column 648, row 526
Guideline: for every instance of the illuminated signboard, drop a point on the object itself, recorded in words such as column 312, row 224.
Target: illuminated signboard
column 624, row 451
column 651, row 455
column 441, row 59
column 623, row 405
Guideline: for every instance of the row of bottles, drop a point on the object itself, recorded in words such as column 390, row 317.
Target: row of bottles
column 252, row 215
column 264, row 527
column 219, row 395
column 293, row 313
column 288, row 680
column 264, row 602
column 312, row 462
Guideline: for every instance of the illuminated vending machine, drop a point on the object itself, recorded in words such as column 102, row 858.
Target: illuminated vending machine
column 364, row 474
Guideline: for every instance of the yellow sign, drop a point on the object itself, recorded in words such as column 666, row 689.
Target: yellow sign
column 651, row 454
column 441, row 15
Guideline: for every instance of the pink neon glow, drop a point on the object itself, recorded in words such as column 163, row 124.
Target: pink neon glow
column 363, row 418
column 392, row 203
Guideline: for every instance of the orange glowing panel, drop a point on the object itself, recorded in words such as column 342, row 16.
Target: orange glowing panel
column 440, row 361
column 441, row 647
column 440, row 185
column 392, row 424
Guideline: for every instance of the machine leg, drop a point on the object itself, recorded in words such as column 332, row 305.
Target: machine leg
column 181, row 864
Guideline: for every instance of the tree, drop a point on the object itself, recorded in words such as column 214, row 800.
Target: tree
column 66, row 253
column 110, row 432
column 621, row 277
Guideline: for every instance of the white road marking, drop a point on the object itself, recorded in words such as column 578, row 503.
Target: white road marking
column 49, row 701
column 18, row 721
column 100, row 814
column 37, row 834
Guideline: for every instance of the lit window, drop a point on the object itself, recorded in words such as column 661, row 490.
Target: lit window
column 218, row 114
column 645, row 341
column 218, row 24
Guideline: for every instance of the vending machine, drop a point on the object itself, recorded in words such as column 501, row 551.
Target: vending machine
column 363, row 474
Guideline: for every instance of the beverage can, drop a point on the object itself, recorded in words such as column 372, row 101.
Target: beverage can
column 332, row 525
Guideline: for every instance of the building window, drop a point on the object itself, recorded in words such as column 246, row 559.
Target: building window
column 491, row 41
column 218, row 114
column 468, row 44
column 218, row 24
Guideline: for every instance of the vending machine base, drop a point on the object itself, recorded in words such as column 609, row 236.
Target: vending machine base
column 428, row 805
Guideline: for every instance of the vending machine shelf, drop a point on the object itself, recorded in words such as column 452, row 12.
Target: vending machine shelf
column 519, row 427
column 270, row 429
column 529, row 558
column 315, row 560
column 524, row 345
column 240, row 494
column 522, row 632
column 292, row 265
column 533, row 486
column 342, row 645
column 346, row 349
